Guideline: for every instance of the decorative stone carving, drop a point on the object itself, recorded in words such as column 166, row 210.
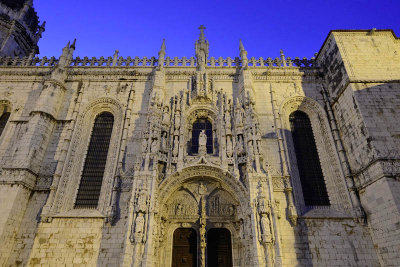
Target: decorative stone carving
column 229, row 146
column 264, row 211
column 203, row 143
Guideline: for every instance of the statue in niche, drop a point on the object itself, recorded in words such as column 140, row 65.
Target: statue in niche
column 228, row 120
column 154, row 148
column 229, row 146
column 264, row 208
column 144, row 145
column 176, row 146
column 139, row 223
column 239, row 119
column 164, row 141
column 240, row 144
column 250, row 149
column 203, row 143
column 265, row 225
column 177, row 119
column 165, row 118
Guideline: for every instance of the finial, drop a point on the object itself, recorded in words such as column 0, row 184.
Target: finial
column 241, row 47
column 162, row 46
column 73, row 44
column 202, row 28
column 43, row 26
column 281, row 51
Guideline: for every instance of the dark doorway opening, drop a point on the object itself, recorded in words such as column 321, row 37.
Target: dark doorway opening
column 219, row 248
column 184, row 250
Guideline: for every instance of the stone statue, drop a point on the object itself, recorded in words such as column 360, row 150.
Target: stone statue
column 229, row 146
column 240, row 145
column 203, row 142
column 265, row 225
column 144, row 145
column 165, row 118
column 176, row 146
column 154, row 148
column 139, row 223
column 164, row 141
column 250, row 149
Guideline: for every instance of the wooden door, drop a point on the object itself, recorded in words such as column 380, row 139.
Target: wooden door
column 219, row 249
column 184, row 250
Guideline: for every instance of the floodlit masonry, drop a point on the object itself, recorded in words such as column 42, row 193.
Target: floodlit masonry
column 201, row 161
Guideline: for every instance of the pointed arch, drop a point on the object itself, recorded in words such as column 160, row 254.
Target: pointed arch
column 332, row 171
column 95, row 162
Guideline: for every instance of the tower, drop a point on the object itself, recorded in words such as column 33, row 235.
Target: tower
column 19, row 28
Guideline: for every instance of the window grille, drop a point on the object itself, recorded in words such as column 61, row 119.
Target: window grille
column 198, row 126
column 311, row 177
column 3, row 121
column 96, row 158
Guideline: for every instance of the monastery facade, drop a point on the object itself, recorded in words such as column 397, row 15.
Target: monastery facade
column 201, row 161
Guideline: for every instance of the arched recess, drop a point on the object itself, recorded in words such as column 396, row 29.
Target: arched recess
column 197, row 113
column 179, row 205
column 328, row 156
column 73, row 166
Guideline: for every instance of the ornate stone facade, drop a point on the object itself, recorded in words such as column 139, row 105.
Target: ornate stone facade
column 239, row 173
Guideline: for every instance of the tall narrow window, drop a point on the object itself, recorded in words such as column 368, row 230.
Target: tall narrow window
column 198, row 126
column 3, row 120
column 311, row 177
column 96, row 158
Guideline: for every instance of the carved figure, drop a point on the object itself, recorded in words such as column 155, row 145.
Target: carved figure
column 165, row 118
column 265, row 225
column 203, row 142
column 164, row 141
column 250, row 149
column 240, row 145
column 229, row 146
column 154, row 146
column 139, row 223
column 144, row 145
column 176, row 146
column 202, row 188
column 238, row 116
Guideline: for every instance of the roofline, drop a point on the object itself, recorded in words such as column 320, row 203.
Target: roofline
column 339, row 30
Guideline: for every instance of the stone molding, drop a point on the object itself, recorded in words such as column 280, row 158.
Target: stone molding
column 69, row 182
column 330, row 163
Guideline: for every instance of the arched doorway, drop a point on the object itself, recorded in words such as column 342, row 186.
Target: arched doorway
column 219, row 248
column 184, row 251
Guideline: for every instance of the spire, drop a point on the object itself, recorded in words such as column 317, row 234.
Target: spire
column 201, row 46
column 73, row 44
column 66, row 55
column 283, row 58
column 162, row 49
column 241, row 47
column 243, row 55
column 40, row 32
column 161, row 55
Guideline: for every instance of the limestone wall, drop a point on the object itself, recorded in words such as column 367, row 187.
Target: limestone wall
column 67, row 241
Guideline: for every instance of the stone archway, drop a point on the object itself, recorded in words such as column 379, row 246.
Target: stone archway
column 203, row 202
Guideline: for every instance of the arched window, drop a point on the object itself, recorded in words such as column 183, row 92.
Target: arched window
column 96, row 158
column 3, row 120
column 198, row 126
column 311, row 177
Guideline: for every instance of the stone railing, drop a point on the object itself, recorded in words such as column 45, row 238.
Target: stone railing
column 28, row 61
column 152, row 62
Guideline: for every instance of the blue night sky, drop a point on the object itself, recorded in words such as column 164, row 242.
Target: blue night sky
column 136, row 28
